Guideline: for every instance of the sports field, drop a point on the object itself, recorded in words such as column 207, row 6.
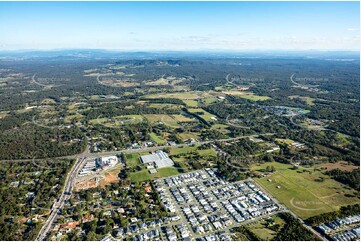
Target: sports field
column 305, row 191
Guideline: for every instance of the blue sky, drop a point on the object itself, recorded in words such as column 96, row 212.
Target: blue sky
column 180, row 25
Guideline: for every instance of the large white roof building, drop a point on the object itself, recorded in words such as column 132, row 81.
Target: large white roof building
column 160, row 159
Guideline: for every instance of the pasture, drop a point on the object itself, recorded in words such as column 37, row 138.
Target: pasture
column 305, row 191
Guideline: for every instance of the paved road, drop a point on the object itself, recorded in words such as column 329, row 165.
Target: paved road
column 87, row 153
column 65, row 195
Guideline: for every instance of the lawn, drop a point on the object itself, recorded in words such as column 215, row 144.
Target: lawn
column 157, row 139
column 144, row 174
column 300, row 191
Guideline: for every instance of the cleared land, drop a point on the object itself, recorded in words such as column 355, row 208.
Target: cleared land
column 302, row 191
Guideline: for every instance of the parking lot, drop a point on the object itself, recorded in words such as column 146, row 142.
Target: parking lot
column 208, row 206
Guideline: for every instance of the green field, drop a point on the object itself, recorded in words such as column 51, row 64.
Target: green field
column 262, row 231
column 247, row 95
column 157, row 139
column 132, row 159
column 308, row 100
column 144, row 174
column 207, row 116
column 191, row 103
column 117, row 120
column 179, row 95
column 164, row 118
column 183, row 150
column 75, row 117
column 301, row 191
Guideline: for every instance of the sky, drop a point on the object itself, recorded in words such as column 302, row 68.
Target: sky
column 186, row 26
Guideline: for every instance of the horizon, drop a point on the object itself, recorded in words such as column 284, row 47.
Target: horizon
column 180, row 26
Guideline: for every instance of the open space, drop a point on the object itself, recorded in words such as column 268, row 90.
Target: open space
column 302, row 192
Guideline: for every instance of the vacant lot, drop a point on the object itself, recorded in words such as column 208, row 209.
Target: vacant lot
column 305, row 191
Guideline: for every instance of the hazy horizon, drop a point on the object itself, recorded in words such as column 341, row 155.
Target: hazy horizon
column 180, row 26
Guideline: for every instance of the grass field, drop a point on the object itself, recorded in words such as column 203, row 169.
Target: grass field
column 302, row 193
column 144, row 174
column 182, row 118
column 261, row 230
column 164, row 106
column 191, row 103
column 179, row 95
column 209, row 100
column 157, row 139
column 118, row 120
column 207, row 116
column 185, row 136
column 164, row 118
column 221, row 128
column 132, row 159
column 308, row 100
column 185, row 149
column 75, row 117
column 247, row 95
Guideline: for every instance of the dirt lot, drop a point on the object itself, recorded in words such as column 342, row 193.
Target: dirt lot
column 86, row 184
column 110, row 177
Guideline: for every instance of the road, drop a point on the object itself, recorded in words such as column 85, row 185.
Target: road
column 65, row 195
column 87, row 153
